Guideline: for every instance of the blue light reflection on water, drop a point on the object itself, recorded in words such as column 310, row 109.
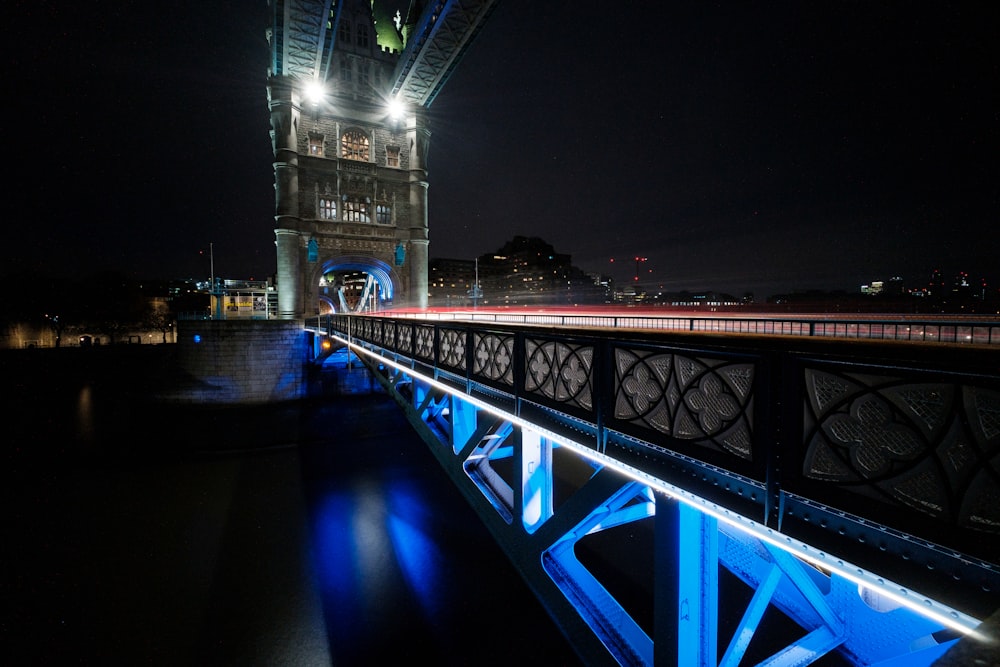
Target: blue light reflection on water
column 419, row 558
column 359, row 530
column 336, row 557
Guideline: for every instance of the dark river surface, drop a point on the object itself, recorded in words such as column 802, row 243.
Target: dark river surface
column 317, row 533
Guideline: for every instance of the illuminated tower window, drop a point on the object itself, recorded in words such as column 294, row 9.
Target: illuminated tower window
column 327, row 208
column 316, row 145
column 383, row 214
column 356, row 210
column 392, row 156
column 354, row 145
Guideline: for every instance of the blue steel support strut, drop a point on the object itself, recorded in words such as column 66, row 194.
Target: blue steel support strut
column 693, row 539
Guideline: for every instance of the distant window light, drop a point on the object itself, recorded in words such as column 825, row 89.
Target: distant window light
column 316, row 145
column 356, row 210
column 327, row 208
column 392, row 156
column 383, row 214
column 345, row 31
column 354, row 145
column 363, row 36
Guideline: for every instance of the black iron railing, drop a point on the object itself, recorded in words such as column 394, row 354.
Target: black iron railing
column 862, row 449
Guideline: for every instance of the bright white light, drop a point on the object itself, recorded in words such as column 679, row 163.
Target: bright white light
column 396, row 109
column 912, row 600
column 315, row 92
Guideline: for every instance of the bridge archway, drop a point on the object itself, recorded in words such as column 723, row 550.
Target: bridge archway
column 354, row 283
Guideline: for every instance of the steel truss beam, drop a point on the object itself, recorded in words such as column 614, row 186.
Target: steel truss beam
column 304, row 32
column 505, row 468
column 435, row 47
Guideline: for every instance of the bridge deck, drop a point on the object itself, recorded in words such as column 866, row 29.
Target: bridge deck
column 737, row 426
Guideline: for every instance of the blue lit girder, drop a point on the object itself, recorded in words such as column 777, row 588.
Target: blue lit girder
column 867, row 624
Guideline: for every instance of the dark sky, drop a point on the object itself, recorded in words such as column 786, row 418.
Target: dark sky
column 740, row 146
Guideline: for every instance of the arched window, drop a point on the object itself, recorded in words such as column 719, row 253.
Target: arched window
column 354, row 145
column 327, row 208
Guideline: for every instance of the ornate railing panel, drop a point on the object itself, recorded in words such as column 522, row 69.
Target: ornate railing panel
column 929, row 447
column 562, row 372
column 493, row 358
column 868, row 450
column 702, row 400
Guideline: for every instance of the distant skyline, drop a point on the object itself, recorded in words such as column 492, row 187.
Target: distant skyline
column 738, row 147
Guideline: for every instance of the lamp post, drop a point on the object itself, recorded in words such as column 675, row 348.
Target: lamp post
column 215, row 295
column 476, row 293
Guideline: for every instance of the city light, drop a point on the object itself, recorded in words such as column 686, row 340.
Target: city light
column 315, row 92
column 396, row 109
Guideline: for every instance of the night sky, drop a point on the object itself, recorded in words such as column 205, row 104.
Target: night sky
column 739, row 146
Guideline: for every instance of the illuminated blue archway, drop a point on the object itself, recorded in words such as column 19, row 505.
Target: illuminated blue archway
column 378, row 282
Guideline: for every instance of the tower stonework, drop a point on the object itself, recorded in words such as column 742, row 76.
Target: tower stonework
column 350, row 178
column 348, row 87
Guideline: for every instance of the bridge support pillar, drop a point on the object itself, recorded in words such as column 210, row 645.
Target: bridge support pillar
column 284, row 104
column 419, row 139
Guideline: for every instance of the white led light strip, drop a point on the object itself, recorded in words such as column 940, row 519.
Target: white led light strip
column 922, row 605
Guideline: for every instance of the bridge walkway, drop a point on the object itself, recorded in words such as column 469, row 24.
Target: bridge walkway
column 500, row 406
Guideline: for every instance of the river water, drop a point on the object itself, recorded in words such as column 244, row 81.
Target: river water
column 319, row 533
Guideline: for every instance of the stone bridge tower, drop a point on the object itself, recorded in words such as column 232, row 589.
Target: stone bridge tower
column 348, row 90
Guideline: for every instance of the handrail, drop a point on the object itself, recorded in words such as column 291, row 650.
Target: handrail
column 950, row 329
column 865, row 451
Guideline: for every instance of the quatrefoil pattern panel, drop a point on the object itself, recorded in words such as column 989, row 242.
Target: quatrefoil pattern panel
column 425, row 342
column 493, row 357
column 560, row 371
column 706, row 401
column 452, row 347
column 932, row 447
column 404, row 341
column 389, row 333
column 366, row 329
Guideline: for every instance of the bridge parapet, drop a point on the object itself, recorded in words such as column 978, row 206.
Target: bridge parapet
column 884, row 455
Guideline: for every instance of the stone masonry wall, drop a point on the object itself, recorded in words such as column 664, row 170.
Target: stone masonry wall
column 234, row 361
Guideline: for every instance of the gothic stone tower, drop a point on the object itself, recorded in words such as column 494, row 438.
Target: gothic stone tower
column 350, row 174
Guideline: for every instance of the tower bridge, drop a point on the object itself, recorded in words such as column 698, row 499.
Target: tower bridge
column 349, row 86
column 853, row 489
column 848, row 487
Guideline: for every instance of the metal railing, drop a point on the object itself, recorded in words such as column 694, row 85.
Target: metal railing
column 971, row 330
column 868, row 451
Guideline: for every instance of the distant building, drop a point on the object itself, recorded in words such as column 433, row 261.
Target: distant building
column 450, row 282
column 525, row 271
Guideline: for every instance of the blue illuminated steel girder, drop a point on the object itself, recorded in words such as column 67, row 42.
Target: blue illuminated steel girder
column 436, row 46
column 305, row 32
column 301, row 38
column 500, row 405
